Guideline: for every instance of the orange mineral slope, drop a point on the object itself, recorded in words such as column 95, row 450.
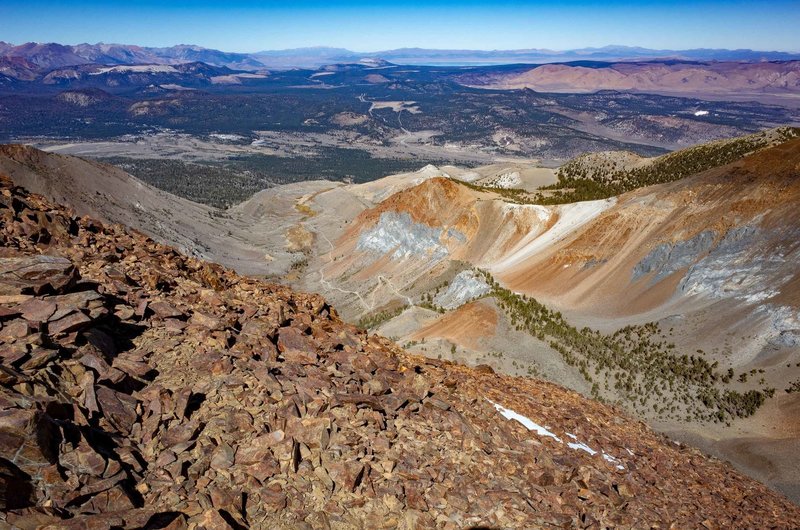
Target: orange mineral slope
column 434, row 221
column 728, row 232
column 140, row 388
column 465, row 326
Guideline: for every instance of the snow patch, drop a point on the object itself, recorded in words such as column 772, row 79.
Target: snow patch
column 608, row 458
column 542, row 431
column 579, row 445
column 525, row 421
column 582, row 446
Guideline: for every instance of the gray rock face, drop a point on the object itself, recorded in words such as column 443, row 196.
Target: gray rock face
column 457, row 235
column 398, row 234
column 666, row 259
column 594, row 262
column 785, row 324
column 740, row 269
column 465, row 286
column 736, row 268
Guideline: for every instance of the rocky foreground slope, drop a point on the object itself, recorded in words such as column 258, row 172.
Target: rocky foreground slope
column 144, row 389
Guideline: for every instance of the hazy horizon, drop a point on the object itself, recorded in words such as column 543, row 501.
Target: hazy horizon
column 358, row 51
column 248, row 26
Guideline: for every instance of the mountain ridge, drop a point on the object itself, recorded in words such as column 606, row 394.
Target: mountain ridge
column 235, row 403
column 43, row 69
column 48, row 56
column 52, row 55
column 689, row 263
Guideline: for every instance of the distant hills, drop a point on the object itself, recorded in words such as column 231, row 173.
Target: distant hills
column 47, row 56
column 312, row 57
column 23, row 58
column 698, row 79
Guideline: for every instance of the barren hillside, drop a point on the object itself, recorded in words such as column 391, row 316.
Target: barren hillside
column 236, row 238
column 676, row 301
column 687, row 78
column 696, row 272
column 144, row 389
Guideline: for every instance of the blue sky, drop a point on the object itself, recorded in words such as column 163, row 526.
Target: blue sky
column 361, row 25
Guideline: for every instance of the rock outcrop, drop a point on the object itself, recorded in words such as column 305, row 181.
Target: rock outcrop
column 140, row 388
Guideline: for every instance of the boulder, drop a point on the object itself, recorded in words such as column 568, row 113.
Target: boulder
column 36, row 275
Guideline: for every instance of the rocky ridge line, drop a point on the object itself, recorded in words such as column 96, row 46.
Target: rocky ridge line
column 140, row 388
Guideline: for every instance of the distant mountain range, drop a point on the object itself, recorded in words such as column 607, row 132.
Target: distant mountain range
column 17, row 61
column 49, row 68
column 319, row 56
column 48, row 56
column 657, row 77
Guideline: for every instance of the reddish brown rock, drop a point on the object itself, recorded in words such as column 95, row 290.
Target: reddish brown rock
column 83, row 460
column 293, row 341
column 346, row 475
column 36, row 275
column 7, row 314
column 222, row 457
column 205, row 321
column 36, row 310
column 72, row 322
column 99, row 365
column 243, row 404
column 180, row 433
column 39, row 357
column 165, row 310
column 28, row 438
column 273, row 499
column 14, row 299
column 16, row 329
column 118, row 408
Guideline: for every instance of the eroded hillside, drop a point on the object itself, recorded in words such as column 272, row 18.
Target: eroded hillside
column 145, row 389
column 675, row 301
